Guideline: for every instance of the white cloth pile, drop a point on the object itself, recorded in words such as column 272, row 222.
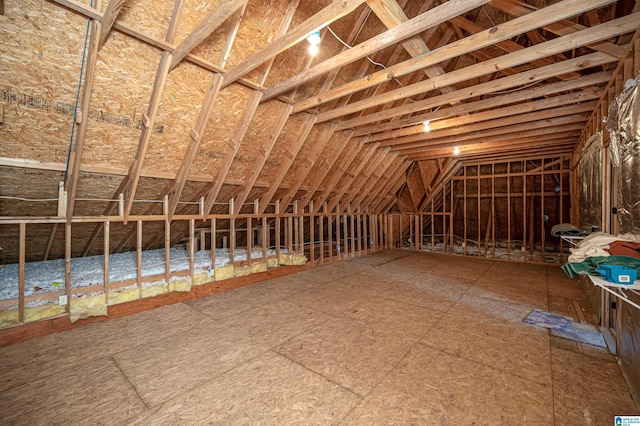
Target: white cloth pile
column 597, row 244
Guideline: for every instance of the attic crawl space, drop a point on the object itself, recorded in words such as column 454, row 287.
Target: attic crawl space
column 163, row 152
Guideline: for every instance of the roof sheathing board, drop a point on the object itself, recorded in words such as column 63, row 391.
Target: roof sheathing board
column 124, row 72
column 29, row 184
column 181, row 103
column 225, row 118
column 285, row 143
column 260, row 128
column 95, row 187
column 147, row 16
column 40, row 71
column 303, row 155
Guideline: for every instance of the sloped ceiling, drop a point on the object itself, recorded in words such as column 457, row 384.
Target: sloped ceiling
column 214, row 100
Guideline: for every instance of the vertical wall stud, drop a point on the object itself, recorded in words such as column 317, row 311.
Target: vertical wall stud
column 21, row 260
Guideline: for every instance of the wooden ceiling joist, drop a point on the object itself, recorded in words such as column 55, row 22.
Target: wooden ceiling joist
column 541, row 139
column 473, row 130
column 519, row 131
column 579, row 100
column 394, row 35
column 572, row 41
column 485, row 38
column 515, row 98
column 506, row 83
column 560, row 28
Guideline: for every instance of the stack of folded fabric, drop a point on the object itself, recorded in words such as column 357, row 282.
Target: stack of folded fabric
column 603, row 249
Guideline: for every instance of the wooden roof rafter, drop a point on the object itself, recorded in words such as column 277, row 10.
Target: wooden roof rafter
column 209, row 24
column 349, row 176
column 393, row 163
column 525, row 56
column 340, row 167
column 473, row 42
column 108, row 19
column 388, row 38
column 519, row 131
column 560, row 28
column 521, row 98
column 474, row 130
column 517, row 111
column 356, row 182
column 360, row 21
column 369, row 179
column 329, row 14
column 506, row 83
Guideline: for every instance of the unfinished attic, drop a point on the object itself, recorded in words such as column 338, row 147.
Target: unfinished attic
column 319, row 211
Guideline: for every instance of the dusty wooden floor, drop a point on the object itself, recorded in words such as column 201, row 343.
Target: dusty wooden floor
column 395, row 337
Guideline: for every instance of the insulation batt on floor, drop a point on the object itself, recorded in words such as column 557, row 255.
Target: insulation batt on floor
column 44, row 281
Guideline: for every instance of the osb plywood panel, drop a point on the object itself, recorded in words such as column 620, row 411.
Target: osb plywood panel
column 299, row 166
column 149, row 189
column 40, row 70
column 214, row 352
column 95, row 187
column 193, row 13
column 37, row 237
column 258, row 27
column 290, row 135
column 433, row 387
column 29, row 184
column 109, row 389
column 191, row 191
column 149, row 17
column 328, row 153
column 260, row 128
column 289, row 60
column 338, row 163
column 281, row 392
column 124, row 76
column 596, row 400
column 226, row 116
column 181, row 103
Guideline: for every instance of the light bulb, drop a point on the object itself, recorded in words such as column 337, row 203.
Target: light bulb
column 313, row 49
column 456, row 150
column 314, row 38
column 426, row 126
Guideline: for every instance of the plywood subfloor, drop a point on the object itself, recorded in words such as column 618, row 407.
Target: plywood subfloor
column 396, row 337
